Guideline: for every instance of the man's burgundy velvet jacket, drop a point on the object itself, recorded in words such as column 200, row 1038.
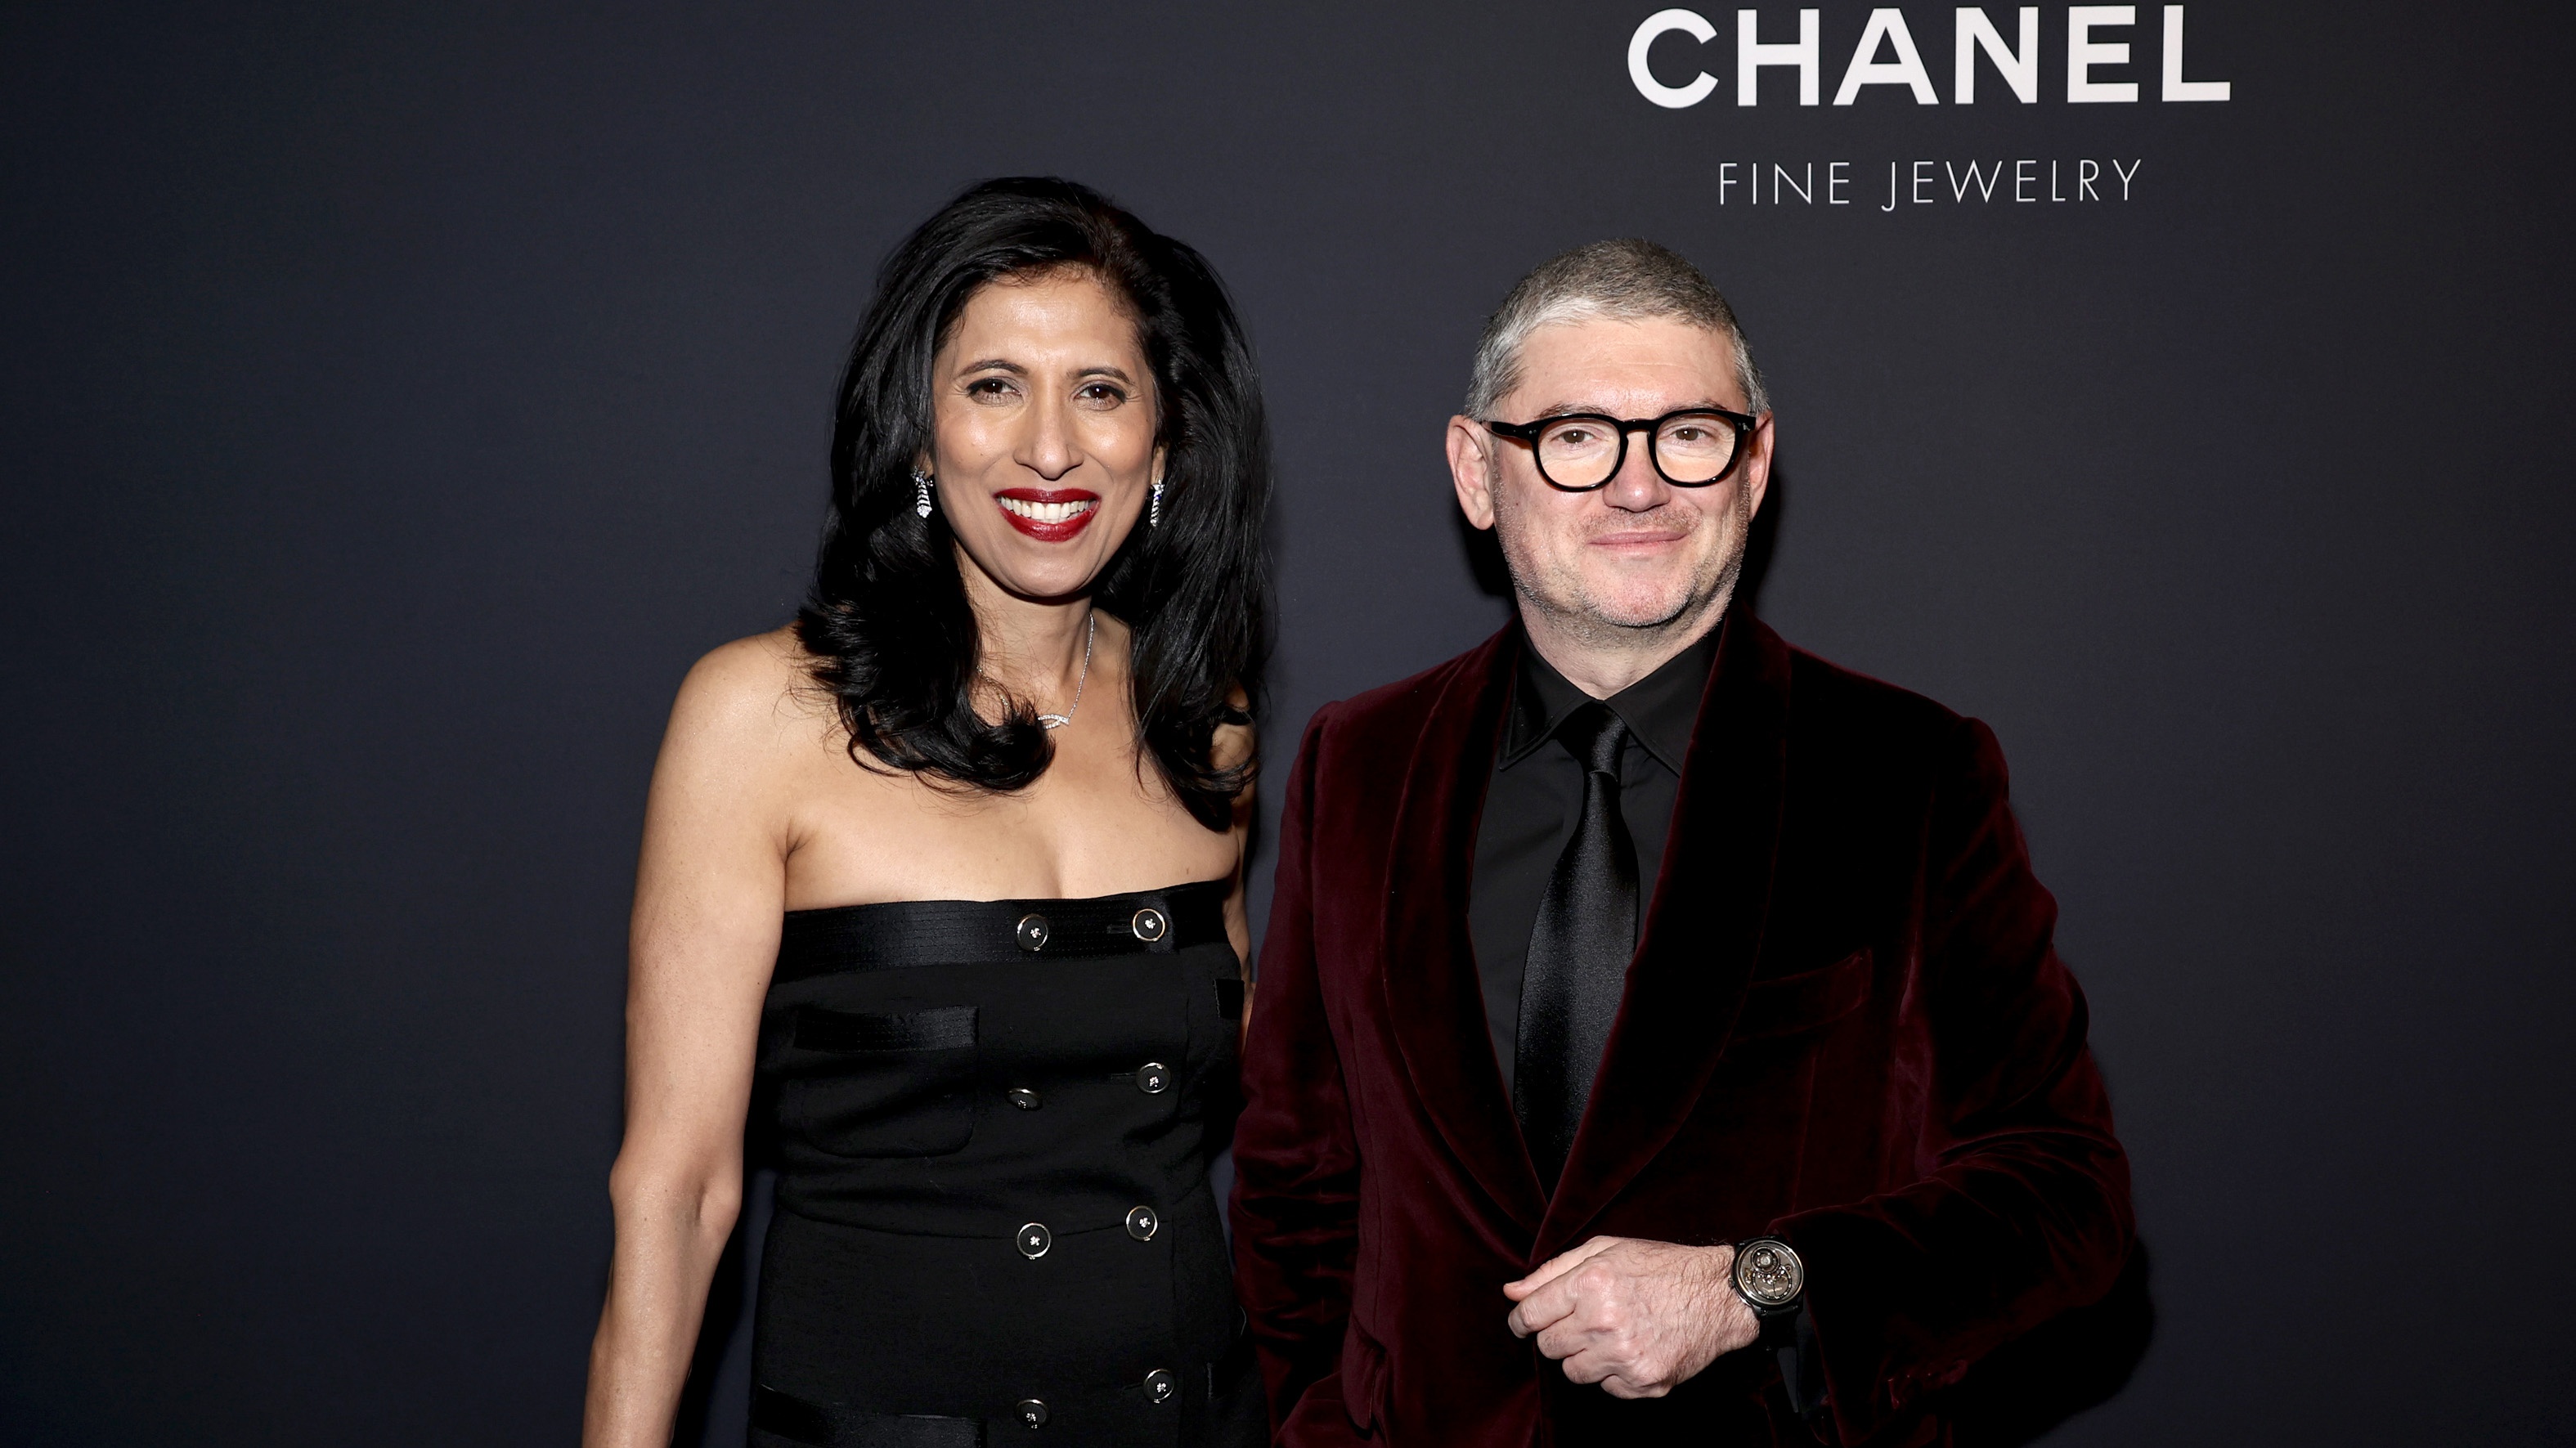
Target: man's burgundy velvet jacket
column 1845, row 1025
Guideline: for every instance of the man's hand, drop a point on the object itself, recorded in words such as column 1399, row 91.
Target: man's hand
column 1636, row 1317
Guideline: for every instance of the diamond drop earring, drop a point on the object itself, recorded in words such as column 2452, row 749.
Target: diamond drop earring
column 1154, row 510
column 920, row 494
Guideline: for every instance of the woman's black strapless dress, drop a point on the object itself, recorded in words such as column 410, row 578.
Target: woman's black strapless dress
column 994, row 1221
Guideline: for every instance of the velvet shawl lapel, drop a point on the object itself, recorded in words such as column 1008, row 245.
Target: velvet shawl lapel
column 1702, row 933
column 1435, row 1007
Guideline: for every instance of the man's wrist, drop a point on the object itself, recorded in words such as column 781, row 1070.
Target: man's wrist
column 1733, row 1325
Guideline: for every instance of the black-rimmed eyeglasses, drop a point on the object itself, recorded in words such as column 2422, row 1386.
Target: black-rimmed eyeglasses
column 1577, row 452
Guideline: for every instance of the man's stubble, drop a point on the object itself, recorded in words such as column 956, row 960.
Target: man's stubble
column 1560, row 593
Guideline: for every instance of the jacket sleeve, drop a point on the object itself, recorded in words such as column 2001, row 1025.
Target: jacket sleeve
column 1296, row 1157
column 2023, row 1211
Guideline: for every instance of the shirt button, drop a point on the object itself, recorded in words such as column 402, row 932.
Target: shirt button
column 1034, row 1238
column 1141, row 1223
column 1032, row 933
column 1032, row 1413
column 1160, row 1385
column 1025, row 1099
column 1153, row 1078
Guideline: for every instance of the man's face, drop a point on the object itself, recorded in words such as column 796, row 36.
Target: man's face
column 1637, row 553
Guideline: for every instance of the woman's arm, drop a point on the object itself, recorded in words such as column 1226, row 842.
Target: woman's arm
column 709, row 894
column 1235, row 743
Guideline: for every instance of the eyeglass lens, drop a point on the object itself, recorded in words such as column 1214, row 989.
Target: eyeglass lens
column 1582, row 452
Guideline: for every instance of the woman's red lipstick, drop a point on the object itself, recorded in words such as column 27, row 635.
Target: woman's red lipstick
column 1050, row 515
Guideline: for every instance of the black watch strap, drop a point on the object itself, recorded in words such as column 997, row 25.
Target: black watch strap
column 1780, row 1326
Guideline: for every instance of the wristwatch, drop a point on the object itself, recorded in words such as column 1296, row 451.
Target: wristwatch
column 1773, row 1283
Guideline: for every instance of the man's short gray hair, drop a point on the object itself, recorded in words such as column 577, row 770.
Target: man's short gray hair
column 1627, row 280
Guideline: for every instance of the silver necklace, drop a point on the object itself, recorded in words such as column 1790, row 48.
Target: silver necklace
column 1058, row 721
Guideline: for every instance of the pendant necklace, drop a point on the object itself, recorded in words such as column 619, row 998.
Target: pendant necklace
column 1058, row 721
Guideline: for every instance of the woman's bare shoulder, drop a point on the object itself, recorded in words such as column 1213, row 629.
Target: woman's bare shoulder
column 755, row 693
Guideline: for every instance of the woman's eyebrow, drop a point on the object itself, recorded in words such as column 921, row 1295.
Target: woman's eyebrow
column 1003, row 364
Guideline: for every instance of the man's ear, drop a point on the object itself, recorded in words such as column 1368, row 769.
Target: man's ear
column 1757, row 465
column 1471, row 470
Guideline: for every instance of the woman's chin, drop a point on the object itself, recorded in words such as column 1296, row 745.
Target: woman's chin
column 1051, row 581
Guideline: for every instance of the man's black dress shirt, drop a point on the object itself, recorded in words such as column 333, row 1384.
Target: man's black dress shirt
column 1531, row 806
column 1536, row 795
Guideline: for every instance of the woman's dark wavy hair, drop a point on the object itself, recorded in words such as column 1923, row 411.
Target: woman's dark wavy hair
column 887, row 622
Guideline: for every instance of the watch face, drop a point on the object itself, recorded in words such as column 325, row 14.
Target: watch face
column 1769, row 1273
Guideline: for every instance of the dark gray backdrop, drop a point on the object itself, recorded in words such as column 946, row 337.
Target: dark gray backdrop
column 397, row 402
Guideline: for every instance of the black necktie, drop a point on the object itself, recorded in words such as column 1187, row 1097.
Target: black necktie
column 1578, row 950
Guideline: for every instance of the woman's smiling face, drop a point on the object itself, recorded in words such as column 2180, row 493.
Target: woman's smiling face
column 1043, row 434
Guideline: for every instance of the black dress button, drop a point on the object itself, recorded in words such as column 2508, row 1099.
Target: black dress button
column 1153, row 1078
column 1161, row 1385
column 1149, row 925
column 1034, row 1239
column 1141, row 1223
column 1025, row 1099
column 1032, row 1413
column 1032, row 933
